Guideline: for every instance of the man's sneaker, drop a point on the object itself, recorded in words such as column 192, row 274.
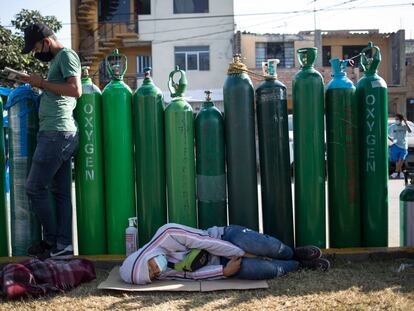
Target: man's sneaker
column 65, row 253
column 402, row 175
column 40, row 250
column 315, row 264
column 307, row 253
column 394, row 175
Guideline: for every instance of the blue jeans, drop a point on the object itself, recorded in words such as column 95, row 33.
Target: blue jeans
column 261, row 245
column 51, row 170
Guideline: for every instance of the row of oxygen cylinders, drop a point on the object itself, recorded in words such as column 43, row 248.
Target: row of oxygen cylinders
column 137, row 158
column 162, row 142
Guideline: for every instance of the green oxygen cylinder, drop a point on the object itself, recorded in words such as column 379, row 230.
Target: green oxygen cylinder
column 372, row 99
column 89, row 175
column 272, row 123
column 3, row 220
column 148, row 120
column 407, row 212
column 179, row 153
column 118, row 153
column 309, row 151
column 239, row 123
column 342, row 134
column 210, row 168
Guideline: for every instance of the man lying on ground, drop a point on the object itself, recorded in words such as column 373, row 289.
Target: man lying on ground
column 232, row 251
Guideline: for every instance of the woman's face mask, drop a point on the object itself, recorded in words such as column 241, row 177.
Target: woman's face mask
column 398, row 121
column 44, row 56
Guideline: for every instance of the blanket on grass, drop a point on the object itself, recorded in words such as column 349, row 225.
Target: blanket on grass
column 36, row 277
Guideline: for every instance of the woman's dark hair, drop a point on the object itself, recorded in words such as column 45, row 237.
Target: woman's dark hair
column 399, row 116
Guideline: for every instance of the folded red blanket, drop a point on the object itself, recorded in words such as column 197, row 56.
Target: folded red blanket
column 37, row 277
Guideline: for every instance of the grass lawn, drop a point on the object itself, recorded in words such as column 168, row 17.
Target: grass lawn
column 347, row 286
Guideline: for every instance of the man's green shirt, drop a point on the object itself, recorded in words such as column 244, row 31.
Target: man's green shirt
column 56, row 111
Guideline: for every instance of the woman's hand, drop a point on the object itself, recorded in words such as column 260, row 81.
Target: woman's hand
column 232, row 267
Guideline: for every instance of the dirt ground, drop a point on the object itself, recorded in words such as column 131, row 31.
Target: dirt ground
column 347, row 286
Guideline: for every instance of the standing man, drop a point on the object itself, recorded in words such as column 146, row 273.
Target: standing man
column 397, row 134
column 57, row 140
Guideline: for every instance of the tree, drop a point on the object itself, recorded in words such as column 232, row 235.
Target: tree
column 26, row 17
column 11, row 43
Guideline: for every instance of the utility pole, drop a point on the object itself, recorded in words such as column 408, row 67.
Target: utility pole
column 317, row 38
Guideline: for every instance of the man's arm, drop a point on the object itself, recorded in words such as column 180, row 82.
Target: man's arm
column 72, row 87
column 406, row 124
column 207, row 272
column 192, row 238
column 195, row 238
column 390, row 133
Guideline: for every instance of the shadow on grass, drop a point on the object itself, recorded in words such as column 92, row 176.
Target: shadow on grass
column 368, row 277
column 362, row 278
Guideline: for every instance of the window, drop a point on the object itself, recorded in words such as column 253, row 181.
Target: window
column 103, row 74
column 143, row 61
column 116, row 11
column 190, row 6
column 143, row 7
column 326, row 56
column 349, row 51
column 260, row 54
column 193, row 58
column 284, row 51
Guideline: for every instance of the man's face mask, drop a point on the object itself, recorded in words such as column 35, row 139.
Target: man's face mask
column 162, row 263
column 44, row 56
column 397, row 121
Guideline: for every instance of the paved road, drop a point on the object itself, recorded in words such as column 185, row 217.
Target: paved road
column 394, row 189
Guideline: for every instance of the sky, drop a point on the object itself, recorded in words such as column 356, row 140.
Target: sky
column 268, row 16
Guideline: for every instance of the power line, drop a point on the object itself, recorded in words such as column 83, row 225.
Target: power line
column 193, row 37
column 330, row 8
column 171, row 30
column 299, row 14
column 302, row 12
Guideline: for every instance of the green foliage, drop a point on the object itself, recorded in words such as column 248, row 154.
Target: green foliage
column 26, row 17
column 11, row 44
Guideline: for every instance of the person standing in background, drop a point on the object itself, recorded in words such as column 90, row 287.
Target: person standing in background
column 397, row 134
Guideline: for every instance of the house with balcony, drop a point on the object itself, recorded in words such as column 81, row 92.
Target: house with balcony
column 344, row 44
column 197, row 35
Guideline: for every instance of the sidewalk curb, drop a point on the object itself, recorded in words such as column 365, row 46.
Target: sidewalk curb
column 348, row 254
column 368, row 254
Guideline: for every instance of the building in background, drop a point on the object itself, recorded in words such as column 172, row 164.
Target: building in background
column 344, row 44
column 197, row 35
column 409, row 62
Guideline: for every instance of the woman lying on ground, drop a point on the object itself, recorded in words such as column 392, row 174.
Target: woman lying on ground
column 181, row 252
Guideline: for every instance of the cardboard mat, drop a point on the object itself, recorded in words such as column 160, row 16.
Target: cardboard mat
column 114, row 282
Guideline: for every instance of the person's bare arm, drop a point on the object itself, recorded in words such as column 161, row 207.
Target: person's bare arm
column 72, row 87
column 232, row 267
column 408, row 127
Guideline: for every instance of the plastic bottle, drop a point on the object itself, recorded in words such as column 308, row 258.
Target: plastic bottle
column 131, row 236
